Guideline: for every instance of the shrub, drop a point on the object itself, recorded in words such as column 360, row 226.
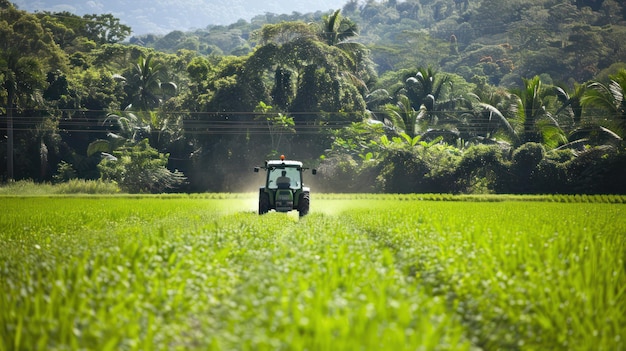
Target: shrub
column 73, row 186
column 483, row 169
column 528, row 155
column 65, row 172
column 524, row 163
column 422, row 168
column 599, row 170
column 82, row 186
column 403, row 172
column 139, row 168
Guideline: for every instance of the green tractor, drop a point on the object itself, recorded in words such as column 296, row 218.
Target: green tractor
column 283, row 190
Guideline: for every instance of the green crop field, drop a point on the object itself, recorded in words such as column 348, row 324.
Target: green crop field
column 361, row 272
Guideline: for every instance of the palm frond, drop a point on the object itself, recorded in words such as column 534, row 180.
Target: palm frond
column 598, row 95
column 493, row 111
column 99, row 145
column 617, row 93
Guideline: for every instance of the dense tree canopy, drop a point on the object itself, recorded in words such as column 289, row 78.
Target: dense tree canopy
column 415, row 96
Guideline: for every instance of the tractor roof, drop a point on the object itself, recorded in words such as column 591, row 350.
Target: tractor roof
column 284, row 163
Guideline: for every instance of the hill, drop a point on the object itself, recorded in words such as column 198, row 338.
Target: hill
column 163, row 16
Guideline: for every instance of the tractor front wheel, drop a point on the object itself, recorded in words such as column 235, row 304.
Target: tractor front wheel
column 303, row 204
column 264, row 203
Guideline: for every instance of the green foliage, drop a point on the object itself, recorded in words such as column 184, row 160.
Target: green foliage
column 27, row 50
column 483, row 168
column 104, row 28
column 317, row 71
column 341, row 173
column 82, row 186
column 138, row 168
column 419, row 169
column 65, row 172
column 146, row 84
column 598, row 170
column 524, row 163
column 403, row 164
column 69, row 29
column 198, row 69
column 609, row 98
column 535, row 122
column 278, row 125
column 285, row 32
column 403, row 116
column 400, row 164
column 94, row 90
column 528, row 156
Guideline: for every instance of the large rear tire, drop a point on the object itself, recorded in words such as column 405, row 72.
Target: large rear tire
column 264, row 203
column 303, row 204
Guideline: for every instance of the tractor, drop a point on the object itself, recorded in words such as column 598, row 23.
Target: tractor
column 283, row 190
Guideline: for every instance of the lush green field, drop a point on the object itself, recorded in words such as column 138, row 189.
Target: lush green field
column 358, row 273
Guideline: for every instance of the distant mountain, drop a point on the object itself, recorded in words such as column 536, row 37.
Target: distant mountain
column 164, row 16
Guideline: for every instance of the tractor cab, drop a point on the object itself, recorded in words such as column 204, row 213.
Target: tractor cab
column 284, row 190
column 284, row 176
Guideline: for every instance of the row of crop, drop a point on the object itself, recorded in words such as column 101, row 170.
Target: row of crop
column 195, row 273
column 521, row 275
column 95, row 273
column 98, row 189
column 153, row 273
column 563, row 198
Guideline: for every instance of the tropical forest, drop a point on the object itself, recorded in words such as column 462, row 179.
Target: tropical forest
column 414, row 96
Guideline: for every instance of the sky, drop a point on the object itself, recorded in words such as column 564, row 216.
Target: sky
column 164, row 16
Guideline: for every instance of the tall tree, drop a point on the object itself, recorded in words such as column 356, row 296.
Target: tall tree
column 324, row 75
column 339, row 31
column 26, row 52
column 105, row 28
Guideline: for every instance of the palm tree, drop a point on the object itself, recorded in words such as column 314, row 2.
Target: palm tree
column 530, row 111
column 424, row 90
column 486, row 118
column 571, row 102
column 584, row 132
column 145, row 87
column 403, row 116
column 128, row 128
column 339, row 31
column 611, row 99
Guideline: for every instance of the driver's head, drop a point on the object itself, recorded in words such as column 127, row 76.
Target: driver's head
column 284, row 173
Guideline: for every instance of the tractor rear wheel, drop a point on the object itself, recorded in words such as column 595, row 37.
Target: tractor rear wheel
column 264, row 202
column 303, row 204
